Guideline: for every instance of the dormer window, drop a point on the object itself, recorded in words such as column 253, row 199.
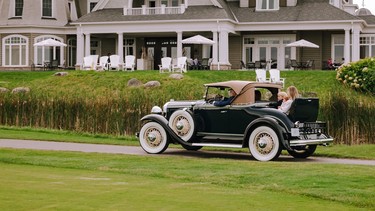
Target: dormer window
column 91, row 5
column 47, row 8
column 265, row 5
column 18, row 8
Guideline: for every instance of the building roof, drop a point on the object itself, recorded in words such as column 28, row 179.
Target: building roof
column 191, row 13
column 370, row 19
column 306, row 10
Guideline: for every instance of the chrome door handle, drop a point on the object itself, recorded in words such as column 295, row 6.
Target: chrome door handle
column 223, row 112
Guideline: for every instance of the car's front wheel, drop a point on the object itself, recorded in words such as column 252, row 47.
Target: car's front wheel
column 303, row 151
column 264, row 144
column 182, row 123
column 153, row 138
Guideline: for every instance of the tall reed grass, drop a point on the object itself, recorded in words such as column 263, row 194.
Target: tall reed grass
column 117, row 109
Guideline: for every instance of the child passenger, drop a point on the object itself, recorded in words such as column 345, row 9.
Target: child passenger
column 286, row 102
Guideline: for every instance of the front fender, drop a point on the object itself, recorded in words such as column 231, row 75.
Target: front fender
column 164, row 123
column 269, row 121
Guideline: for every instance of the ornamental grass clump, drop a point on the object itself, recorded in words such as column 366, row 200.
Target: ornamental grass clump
column 359, row 75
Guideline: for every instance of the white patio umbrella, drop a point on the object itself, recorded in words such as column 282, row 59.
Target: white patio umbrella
column 50, row 42
column 302, row 43
column 198, row 39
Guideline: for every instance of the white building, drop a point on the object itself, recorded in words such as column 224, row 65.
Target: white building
column 243, row 30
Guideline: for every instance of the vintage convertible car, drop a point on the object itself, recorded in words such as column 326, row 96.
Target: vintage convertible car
column 246, row 122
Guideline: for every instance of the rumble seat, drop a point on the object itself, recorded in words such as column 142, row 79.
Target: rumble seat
column 304, row 110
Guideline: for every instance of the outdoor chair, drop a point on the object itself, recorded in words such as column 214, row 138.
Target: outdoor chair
column 115, row 62
column 205, row 64
column 103, row 63
column 180, row 66
column 275, row 76
column 166, row 64
column 294, row 64
column 88, row 63
column 261, row 75
column 129, row 63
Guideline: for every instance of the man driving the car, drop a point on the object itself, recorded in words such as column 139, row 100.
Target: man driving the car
column 227, row 100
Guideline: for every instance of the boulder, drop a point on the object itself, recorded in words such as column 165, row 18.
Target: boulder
column 134, row 82
column 21, row 90
column 151, row 84
column 60, row 74
column 3, row 90
column 176, row 76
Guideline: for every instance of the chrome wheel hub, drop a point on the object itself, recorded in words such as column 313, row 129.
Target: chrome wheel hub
column 154, row 137
column 264, row 143
column 182, row 126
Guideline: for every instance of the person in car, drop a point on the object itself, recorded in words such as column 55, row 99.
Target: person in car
column 292, row 92
column 227, row 100
column 286, row 103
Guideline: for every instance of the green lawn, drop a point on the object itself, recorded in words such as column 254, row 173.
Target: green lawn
column 42, row 180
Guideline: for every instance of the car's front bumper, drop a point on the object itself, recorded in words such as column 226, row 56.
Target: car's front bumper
column 303, row 142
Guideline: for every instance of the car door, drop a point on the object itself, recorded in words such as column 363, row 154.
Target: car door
column 213, row 119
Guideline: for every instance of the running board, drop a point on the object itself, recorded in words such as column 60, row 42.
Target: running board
column 217, row 145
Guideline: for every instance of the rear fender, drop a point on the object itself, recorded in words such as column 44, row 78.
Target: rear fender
column 267, row 121
column 164, row 123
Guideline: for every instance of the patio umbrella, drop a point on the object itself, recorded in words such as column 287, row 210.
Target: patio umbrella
column 302, row 43
column 198, row 39
column 50, row 42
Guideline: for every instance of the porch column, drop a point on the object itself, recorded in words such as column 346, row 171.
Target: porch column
column 215, row 50
column 347, row 46
column 120, row 46
column 87, row 44
column 80, row 48
column 355, row 44
column 224, row 50
column 179, row 44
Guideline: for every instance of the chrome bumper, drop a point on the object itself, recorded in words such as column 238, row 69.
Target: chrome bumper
column 304, row 142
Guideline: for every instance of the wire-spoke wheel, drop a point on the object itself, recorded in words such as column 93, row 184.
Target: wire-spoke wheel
column 153, row 138
column 264, row 144
column 182, row 123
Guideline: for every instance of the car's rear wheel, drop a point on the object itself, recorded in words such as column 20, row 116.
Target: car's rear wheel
column 153, row 138
column 182, row 123
column 303, row 151
column 264, row 144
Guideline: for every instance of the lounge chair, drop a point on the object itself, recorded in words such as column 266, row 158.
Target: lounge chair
column 180, row 66
column 166, row 64
column 115, row 63
column 88, row 63
column 261, row 75
column 275, row 76
column 103, row 63
column 129, row 63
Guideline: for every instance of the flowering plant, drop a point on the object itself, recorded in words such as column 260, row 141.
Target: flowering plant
column 358, row 75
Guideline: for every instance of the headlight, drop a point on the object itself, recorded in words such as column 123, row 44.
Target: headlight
column 156, row 110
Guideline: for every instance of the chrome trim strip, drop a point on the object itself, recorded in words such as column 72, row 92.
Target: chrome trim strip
column 217, row 145
column 294, row 143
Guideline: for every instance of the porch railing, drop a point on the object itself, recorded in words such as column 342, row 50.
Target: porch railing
column 144, row 10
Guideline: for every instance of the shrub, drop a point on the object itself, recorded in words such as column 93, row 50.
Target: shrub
column 358, row 75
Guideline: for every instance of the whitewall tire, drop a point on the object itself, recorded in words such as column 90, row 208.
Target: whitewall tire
column 153, row 138
column 264, row 144
column 182, row 123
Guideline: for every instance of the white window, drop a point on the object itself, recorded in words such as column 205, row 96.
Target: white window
column 15, row 48
column 47, row 7
column 18, row 8
column 129, row 46
column 262, row 5
column 338, row 48
column 43, row 54
column 91, row 4
column 15, row 8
